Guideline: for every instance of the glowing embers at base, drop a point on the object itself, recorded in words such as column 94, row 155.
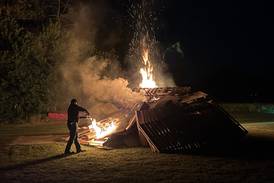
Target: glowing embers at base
column 101, row 131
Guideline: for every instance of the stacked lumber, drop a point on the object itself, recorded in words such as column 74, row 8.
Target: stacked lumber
column 178, row 120
column 171, row 120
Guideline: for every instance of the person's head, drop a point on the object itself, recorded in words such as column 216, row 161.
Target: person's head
column 73, row 101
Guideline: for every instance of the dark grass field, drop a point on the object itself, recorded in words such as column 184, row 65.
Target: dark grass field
column 250, row 161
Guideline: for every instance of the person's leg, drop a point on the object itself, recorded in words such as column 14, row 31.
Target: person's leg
column 72, row 132
column 77, row 145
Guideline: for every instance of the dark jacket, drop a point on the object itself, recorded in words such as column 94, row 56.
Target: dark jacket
column 73, row 112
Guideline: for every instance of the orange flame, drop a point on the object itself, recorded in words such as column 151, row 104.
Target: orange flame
column 102, row 132
column 146, row 71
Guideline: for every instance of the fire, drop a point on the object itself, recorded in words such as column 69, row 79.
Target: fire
column 146, row 71
column 102, row 132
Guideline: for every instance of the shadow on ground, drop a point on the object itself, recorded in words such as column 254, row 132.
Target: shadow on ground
column 34, row 162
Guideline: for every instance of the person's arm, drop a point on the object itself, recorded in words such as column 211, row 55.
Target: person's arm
column 79, row 108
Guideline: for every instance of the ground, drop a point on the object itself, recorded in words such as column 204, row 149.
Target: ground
column 43, row 162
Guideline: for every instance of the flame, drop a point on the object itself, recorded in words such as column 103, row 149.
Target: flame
column 102, row 132
column 146, row 71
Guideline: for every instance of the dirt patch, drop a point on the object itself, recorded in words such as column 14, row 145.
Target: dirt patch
column 262, row 129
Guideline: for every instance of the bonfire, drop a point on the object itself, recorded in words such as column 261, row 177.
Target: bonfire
column 104, row 128
column 172, row 119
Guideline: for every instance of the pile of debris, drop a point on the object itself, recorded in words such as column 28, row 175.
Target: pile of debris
column 172, row 120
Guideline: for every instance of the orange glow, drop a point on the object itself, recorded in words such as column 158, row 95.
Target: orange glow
column 147, row 71
column 101, row 132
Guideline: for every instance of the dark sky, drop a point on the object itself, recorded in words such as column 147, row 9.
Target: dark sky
column 227, row 45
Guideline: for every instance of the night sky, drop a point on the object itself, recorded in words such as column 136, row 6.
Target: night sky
column 227, row 45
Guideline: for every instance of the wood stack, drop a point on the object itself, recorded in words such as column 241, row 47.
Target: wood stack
column 172, row 120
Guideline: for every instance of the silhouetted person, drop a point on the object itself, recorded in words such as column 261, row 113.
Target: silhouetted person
column 73, row 117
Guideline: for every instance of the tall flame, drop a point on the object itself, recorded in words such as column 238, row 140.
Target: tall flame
column 146, row 71
column 102, row 132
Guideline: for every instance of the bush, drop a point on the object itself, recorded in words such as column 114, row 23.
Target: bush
column 26, row 65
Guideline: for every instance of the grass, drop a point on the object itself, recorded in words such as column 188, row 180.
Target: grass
column 129, row 165
column 8, row 132
column 33, row 129
column 132, row 165
column 251, row 162
column 252, row 117
column 249, row 112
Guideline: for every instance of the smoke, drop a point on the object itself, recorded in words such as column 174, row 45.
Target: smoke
column 94, row 78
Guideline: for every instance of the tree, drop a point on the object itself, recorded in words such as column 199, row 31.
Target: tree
column 27, row 65
column 12, row 55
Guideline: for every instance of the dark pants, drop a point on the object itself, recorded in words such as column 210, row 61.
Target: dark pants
column 73, row 137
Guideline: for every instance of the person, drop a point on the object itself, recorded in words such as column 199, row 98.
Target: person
column 72, row 123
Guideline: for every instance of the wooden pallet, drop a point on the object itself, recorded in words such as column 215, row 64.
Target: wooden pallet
column 178, row 121
column 154, row 93
column 162, row 136
column 197, row 121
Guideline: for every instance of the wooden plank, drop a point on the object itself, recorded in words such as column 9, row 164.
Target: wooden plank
column 151, row 144
column 160, row 136
column 157, row 132
column 150, row 129
column 162, row 132
column 194, row 96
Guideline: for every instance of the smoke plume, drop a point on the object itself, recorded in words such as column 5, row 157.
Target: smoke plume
column 91, row 77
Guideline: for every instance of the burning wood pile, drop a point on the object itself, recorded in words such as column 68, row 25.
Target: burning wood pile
column 172, row 119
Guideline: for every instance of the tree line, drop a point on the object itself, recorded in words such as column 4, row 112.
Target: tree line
column 28, row 60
